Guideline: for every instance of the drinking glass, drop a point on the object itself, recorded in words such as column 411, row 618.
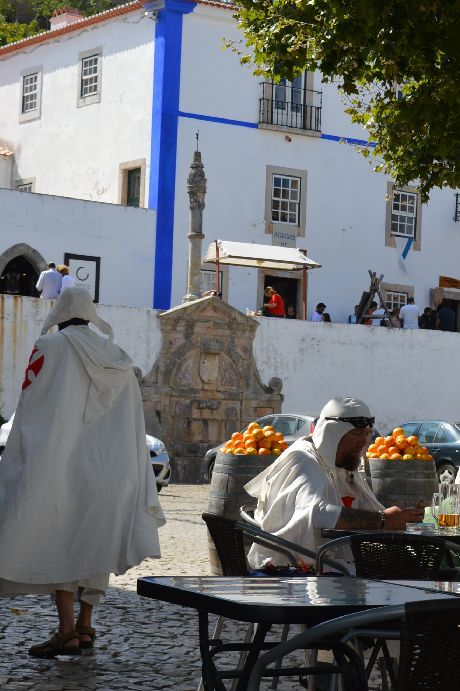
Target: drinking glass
column 435, row 506
column 449, row 507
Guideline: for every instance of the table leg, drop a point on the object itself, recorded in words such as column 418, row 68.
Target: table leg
column 253, row 654
column 211, row 681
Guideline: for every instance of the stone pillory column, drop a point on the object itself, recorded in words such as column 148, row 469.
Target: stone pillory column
column 196, row 187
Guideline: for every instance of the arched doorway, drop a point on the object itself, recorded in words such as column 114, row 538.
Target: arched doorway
column 19, row 278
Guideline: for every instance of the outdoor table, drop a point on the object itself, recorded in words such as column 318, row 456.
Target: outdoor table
column 275, row 600
column 334, row 533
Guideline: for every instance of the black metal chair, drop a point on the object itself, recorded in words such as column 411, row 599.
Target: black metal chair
column 396, row 556
column 430, row 643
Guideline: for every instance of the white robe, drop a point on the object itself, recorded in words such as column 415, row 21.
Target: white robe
column 78, row 496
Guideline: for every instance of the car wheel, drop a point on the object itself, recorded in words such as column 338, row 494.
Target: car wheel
column 446, row 473
column 159, row 488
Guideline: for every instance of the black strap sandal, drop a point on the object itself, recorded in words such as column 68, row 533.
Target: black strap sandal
column 86, row 631
column 55, row 646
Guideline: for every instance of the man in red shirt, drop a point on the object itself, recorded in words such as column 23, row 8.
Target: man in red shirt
column 275, row 306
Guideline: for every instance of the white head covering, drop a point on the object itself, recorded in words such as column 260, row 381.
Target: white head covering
column 328, row 433
column 76, row 303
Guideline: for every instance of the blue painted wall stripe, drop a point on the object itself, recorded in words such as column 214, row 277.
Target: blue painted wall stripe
column 222, row 121
column 253, row 125
column 166, row 89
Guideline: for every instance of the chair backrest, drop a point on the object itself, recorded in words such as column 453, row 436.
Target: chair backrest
column 430, row 646
column 229, row 543
column 389, row 555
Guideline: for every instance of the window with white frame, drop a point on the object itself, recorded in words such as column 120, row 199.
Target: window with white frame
column 285, row 205
column 404, row 213
column 208, row 280
column 395, row 300
column 89, row 77
column 29, row 92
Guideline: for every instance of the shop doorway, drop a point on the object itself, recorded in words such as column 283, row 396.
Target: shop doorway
column 19, row 278
column 288, row 288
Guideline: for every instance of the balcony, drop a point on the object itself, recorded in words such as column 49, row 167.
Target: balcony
column 285, row 105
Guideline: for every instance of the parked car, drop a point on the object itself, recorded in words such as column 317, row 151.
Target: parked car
column 291, row 426
column 158, row 454
column 442, row 439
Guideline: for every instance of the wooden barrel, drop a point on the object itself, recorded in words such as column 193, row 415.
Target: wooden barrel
column 227, row 492
column 403, row 483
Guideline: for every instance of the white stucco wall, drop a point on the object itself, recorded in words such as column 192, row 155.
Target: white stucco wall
column 400, row 374
column 76, row 151
column 123, row 237
column 21, row 320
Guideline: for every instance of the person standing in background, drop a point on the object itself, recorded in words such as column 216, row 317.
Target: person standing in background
column 445, row 317
column 49, row 283
column 275, row 306
column 409, row 314
column 317, row 314
column 67, row 279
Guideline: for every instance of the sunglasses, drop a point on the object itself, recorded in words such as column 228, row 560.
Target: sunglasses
column 358, row 422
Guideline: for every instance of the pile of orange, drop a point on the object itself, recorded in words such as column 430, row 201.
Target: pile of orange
column 256, row 441
column 398, row 447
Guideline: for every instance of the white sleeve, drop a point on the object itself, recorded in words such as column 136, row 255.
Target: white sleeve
column 325, row 515
column 39, row 285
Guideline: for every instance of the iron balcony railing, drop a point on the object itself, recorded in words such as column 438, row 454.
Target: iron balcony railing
column 285, row 105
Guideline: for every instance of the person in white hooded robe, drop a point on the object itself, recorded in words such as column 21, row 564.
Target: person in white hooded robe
column 78, row 498
column 314, row 484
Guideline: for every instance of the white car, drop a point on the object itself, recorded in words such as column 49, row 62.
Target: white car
column 157, row 450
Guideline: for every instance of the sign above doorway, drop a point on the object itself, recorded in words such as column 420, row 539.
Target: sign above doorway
column 283, row 238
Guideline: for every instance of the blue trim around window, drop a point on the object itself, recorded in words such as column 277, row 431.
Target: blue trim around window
column 165, row 114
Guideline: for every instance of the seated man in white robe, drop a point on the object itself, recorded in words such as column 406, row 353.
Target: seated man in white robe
column 78, row 498
column 315, row 484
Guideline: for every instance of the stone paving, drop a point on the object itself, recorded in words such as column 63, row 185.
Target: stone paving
column 142, row 644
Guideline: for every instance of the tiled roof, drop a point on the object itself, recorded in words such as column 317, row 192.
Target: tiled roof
column 90, row 21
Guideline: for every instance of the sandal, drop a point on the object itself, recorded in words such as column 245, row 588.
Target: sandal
column 55, row 646
column 86, row 631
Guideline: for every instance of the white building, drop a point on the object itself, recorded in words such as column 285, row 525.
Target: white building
column 106, row 108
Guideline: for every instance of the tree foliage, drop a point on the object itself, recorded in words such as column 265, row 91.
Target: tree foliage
column 369, row 47
column 22, row 18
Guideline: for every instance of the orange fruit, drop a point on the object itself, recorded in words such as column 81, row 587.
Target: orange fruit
column 372, row 448
column 236, row 436
column 240, row 452
column 390, row 441
column 249, row 442
column 385, row 456
column 418, row 457
column 378, row 441
column 373, row 455
column 279, row 436
column 238, row 445
column 252, row 426
column 412, row 441
column 395, row 457
column 381, row 449
column 257, row 434
column 275, row 450
column 393, row 450
column 268, row 428
column 408, row 457
column 430, row 457
column 397, row 432
column 264, row 444
column 264, row 452
column 271, row 436
column 423, row 449
column 283, row 445
column 401, row 441
column 251, row 451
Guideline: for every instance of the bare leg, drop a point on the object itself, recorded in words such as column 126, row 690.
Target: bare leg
column 64, row 604
column 84, row 616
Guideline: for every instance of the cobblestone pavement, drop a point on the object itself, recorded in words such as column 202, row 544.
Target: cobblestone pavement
column 142, row 644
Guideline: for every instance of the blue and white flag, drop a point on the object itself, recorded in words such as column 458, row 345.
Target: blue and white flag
column 403, row 246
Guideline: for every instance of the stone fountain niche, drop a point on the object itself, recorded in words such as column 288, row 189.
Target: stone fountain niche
column 204, row 385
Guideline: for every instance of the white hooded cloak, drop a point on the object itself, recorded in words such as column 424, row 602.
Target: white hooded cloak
column 78, row 497
column 303, row 491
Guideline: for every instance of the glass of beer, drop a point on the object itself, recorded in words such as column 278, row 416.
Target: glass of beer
column 449, row 507
column 435, row 506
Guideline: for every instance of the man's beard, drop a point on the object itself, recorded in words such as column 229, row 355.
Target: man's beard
column 350, row 462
